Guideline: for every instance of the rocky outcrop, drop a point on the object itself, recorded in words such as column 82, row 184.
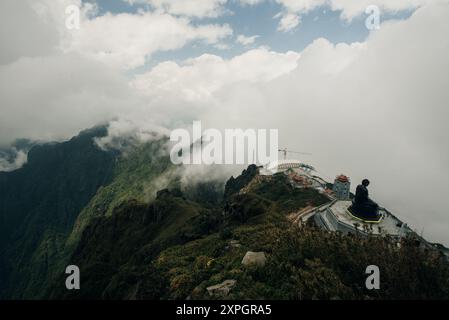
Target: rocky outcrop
column 254, row 258
column 235, row 244
column 221, row 289
column 234, row 185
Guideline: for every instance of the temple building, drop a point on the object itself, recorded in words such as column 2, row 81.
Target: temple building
column 342, row 187
column 336, row 215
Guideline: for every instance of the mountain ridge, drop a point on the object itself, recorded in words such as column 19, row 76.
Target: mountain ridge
column 39, row 204
column 140, row 233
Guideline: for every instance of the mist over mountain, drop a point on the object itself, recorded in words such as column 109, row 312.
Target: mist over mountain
column 90, row 91
column 39, row 205
column 139, row 230
column 46, row 205
column 378, row 99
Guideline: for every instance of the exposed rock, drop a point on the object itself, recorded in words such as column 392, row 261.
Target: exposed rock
column 257, row 258
column 235, row 244
column 234, row 185
column 222, row 289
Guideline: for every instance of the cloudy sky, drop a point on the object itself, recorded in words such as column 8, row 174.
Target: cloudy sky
column 366, row 103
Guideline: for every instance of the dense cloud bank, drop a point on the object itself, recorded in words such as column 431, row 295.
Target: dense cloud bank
column 375, row 109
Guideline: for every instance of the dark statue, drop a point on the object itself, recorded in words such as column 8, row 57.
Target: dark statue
column 363, row 207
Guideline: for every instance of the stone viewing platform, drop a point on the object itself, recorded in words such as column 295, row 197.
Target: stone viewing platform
column 336, row 217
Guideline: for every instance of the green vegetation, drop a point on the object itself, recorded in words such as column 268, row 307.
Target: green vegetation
column 303, row 263
column 38, row 206
column 174, row 248
column 116, row 248
column 137, row 233
column 138, row 175
column 45, row 206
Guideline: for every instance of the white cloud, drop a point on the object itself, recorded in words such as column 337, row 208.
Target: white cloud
column 244, row 40
column 123, row 41
column 376, row 109
column 127, row 40
column 190, row 8
column 301, row 6
column 44, row 93
column 294, row 9
column 350, row 9
column 196, row 80
column 33, row 28
column 55, row 82
column 16, row 160
column 55, row 96
column 125, row 131
column 222, row 46
column 250, row 2
column 288, row 22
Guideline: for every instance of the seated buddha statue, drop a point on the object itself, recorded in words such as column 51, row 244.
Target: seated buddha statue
column 363, row 207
